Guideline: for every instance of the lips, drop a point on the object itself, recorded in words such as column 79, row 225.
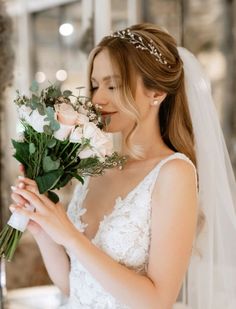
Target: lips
column 108, row 113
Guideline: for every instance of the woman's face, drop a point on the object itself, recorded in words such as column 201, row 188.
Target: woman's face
column 106, row 83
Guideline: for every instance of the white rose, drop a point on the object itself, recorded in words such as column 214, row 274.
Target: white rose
column 101, row 142
column 83, row 111
column 36, row 121
column 24, row 112
column 86, row 153
column 76, row 135
column 63, row 132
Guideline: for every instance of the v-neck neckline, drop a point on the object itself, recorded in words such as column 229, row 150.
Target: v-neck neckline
column 118, row 200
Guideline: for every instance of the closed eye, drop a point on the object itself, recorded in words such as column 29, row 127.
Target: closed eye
column 93, row 89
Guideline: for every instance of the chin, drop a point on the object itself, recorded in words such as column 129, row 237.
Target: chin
column 112, row 129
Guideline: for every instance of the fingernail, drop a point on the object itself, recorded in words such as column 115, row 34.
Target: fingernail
column 21, row 185
column 13, row 188
column 21, row 177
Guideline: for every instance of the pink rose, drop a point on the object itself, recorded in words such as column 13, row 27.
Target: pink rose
column 100, row 142
column 67, row 118
column 65, row 114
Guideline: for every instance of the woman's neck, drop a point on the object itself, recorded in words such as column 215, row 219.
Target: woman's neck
column 149, row 140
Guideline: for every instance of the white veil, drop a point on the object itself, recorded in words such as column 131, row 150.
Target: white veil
column 211, row 277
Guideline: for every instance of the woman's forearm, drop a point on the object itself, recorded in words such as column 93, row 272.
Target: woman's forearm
column 56, row 261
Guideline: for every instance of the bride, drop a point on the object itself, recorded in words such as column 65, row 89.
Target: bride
column 132, row 238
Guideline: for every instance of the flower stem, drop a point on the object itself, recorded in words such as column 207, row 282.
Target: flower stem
column 9, row 238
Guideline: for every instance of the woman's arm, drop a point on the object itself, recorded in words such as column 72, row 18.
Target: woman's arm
column 54, row 256
column 56, row 261
column 173, row 227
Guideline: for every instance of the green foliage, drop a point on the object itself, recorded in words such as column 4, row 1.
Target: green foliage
column 52, row 143
column 54, row 124
column 49, row 164
column 22, row 152
column 32, row 148
column 67, row 93
column 34, row 86
column 48, row 181
column 53, row 197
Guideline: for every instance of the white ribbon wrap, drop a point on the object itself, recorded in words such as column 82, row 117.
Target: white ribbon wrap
column 19, row 221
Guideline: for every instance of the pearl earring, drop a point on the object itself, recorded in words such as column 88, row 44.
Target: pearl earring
column 155, row 102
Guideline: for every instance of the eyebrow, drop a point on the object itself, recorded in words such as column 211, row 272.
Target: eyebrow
column 107, row 77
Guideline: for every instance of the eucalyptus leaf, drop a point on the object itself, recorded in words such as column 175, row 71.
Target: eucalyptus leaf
column 35, row 100
column 67, row 93
column 34, row 86
column 54, row 125
column 47, row 129
column 32, row 105
column 50, row 113
column 52, row 143
column 32, row 148
column 41, row 109
column 48, row 181
column 49, row 164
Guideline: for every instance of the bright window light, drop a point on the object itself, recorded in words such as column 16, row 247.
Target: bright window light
column 61, row 75
column 66, row 29
column 40, row 77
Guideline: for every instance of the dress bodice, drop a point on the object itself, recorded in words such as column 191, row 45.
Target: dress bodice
column 124, row 235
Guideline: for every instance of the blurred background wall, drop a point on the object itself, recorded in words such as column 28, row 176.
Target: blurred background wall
column 52, row 40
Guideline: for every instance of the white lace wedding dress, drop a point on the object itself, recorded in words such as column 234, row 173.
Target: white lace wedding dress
column 124, row 235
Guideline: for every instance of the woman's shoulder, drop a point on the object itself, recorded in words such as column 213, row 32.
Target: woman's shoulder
column 177, row 168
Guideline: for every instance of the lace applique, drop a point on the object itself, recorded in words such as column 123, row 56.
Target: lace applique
column 124, row 235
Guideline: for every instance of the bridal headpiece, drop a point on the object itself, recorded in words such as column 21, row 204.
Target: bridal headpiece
column 138, row 42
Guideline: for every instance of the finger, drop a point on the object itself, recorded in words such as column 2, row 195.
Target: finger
column 21, row 185
column 18, row 199
column 31, row 197
column 21, row 168
column 26, row 180
column 28, row 213
column 29, row 188
column 42, row 197
column 12, row 208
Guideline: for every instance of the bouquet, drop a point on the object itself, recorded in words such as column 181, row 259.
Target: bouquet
column 62, row 138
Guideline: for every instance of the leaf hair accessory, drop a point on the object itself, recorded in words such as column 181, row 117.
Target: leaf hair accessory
column 137, row 41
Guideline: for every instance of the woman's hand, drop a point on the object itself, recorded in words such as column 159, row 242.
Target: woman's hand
column 20, row 202
column 51, row 217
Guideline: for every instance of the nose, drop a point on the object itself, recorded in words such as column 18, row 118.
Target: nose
column 99, row 97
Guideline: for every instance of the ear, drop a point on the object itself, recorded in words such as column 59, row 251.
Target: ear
column 156, row 95
column 159, row 96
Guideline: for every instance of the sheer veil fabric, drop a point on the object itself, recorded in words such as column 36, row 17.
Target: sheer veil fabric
column 211, row 279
